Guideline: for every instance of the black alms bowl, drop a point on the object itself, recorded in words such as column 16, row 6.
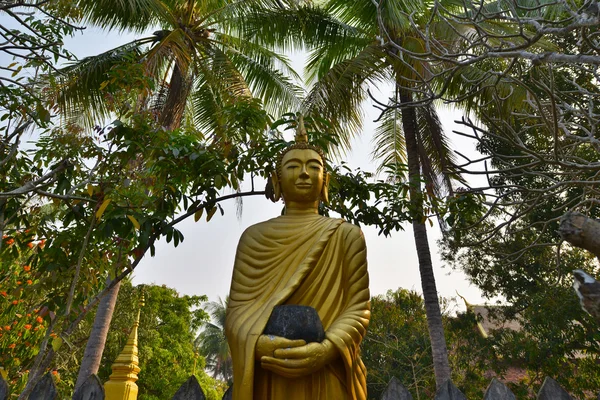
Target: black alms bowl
column 294, row 322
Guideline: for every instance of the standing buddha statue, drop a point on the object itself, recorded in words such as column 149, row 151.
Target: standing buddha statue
column 299, row 258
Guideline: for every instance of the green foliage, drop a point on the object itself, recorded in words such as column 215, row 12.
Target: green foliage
column 35, row 32
column 512, row 252
column 556, row 336
column 541, row 164
column 212, row 343
column 168, row 323
column 108, row 197
column 22, row 323
column 397, row 345
column 361, row 200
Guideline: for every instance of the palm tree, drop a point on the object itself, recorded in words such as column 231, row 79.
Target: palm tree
column 197, row 69
column 195, row 62
column 347, row 56
column 212, row 343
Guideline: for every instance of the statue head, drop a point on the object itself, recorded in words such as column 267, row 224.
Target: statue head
column 301, row 175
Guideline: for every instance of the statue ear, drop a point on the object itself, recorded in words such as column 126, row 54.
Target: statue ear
column 276, row 195
column 325, row 189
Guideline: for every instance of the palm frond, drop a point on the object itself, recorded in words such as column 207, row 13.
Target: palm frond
column 212, row 343
column 324, row 57
column 290, row 30
column 79, row 92
column 133, row 15
column 436, row 156
column 276, row 90
column 207, row 9
column 258, row 52
column 338, row 95
column 175, row 45
column 389, row 145
column 227, row 78
column 362, row 13
column 159, row 99
column 207, row 109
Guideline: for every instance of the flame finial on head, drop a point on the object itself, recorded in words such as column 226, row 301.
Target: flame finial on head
column 301, row 135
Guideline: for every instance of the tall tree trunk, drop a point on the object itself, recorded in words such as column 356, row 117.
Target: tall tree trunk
column 441, row 365
column 90, row 363
column 171, row 113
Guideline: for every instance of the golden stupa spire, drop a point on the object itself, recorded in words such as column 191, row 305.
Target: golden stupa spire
column 121, row 384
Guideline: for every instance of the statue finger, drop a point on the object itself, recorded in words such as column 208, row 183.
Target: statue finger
column 288, row 343
column 294, row 353
column 285, row 363
column 279, row 342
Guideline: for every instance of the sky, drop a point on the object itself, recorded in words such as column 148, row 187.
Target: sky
column 203, row 263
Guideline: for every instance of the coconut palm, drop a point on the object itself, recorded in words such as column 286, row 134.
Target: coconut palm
column 212, row 343
column 195, row 63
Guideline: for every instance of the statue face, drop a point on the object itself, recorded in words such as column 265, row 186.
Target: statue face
column 301, row 177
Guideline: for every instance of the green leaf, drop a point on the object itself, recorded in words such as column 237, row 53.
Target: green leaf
column 56, row 343
column 210, row 213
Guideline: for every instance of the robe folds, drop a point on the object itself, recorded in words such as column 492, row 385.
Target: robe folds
column 307, row 260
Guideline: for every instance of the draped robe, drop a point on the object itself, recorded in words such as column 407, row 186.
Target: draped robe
column 307, row 260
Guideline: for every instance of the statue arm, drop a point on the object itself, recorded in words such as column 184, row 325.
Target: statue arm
column 349, row 328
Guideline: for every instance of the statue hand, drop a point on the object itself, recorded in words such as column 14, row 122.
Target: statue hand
column 300, row 361
column 268, row 344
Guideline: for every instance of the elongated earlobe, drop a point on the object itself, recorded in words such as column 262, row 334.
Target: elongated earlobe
column 276, row 188
column 325, row 190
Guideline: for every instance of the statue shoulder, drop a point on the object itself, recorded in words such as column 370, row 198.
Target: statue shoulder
column 351, row 231
column 257, row 228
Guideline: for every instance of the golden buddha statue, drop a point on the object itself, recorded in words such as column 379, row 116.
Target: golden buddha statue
column 299, row 258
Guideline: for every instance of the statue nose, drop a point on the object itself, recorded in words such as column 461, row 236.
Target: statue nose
column 304, row 173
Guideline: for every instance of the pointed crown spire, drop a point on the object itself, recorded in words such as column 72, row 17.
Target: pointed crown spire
column 301, row 135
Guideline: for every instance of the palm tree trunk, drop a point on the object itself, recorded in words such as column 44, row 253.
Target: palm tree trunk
column 179, row 89
column 441, row 365
column 90, row 363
